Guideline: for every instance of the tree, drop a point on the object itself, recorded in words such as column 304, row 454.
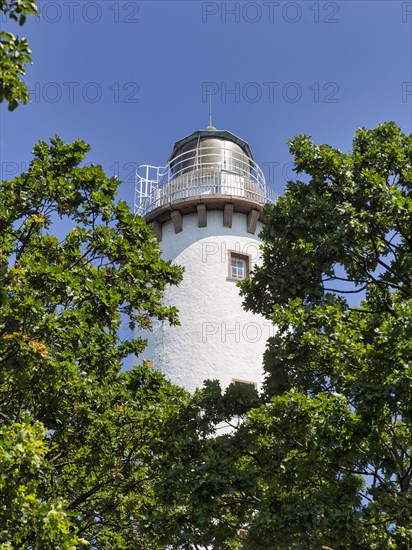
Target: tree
column 345, row 365
column 14, row 53
column 78, row 434
column 325, row 461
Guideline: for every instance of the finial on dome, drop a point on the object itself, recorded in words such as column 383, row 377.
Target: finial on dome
column 210, row 127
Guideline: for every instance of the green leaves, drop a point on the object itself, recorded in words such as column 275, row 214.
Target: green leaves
column 345, row 232
column 14, row 54
column 349, row 223
column 22, row 471
column 85, row 462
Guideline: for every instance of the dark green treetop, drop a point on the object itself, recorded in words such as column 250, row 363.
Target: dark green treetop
column 77, row 432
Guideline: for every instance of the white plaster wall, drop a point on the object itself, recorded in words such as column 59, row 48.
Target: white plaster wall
column 217, row 339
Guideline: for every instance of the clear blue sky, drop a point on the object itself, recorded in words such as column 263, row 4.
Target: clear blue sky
column 129, row 77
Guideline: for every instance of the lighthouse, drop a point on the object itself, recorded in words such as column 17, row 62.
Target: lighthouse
column 206, row 209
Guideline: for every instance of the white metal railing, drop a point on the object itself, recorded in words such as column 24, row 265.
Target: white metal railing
column 201, row 171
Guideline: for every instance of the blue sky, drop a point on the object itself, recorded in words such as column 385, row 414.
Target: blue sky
column 130, row 77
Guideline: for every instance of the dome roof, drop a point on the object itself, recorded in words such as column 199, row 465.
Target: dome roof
column 208, row 133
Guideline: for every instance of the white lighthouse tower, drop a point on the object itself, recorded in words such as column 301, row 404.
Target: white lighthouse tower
column 205, row 206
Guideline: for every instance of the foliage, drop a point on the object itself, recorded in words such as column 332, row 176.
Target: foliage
column 325, row 461
column 14, row 53
column 22, row 451
column 78, row 433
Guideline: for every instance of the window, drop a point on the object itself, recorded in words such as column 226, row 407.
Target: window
column 239, row 266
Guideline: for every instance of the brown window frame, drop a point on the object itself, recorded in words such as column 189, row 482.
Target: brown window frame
column 238, row 255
